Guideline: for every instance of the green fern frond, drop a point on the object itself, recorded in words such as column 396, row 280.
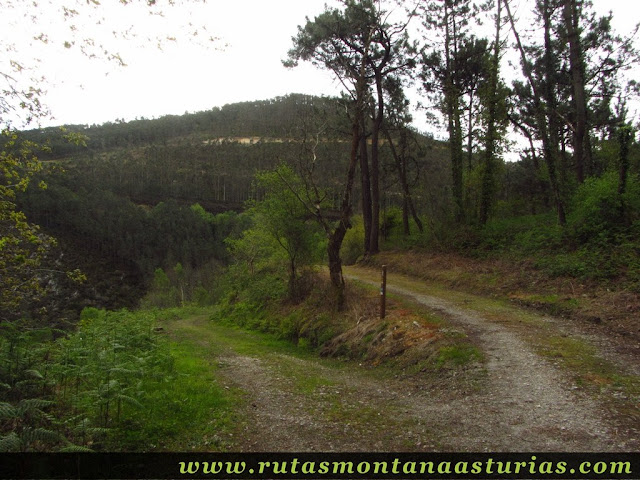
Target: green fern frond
column 129, row 400
column 10, row 442
column 31, row 405
column 7, row 410
column 75, row 449
column 30, row 436
column 34, row 373
column 126, row 371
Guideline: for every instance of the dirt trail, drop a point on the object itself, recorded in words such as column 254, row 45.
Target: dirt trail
column 307, row 404
column 528, row 403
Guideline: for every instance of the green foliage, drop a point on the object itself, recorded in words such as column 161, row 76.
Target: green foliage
column 22, row 246
column 599, row 242
column 136, row 239
column 352, row 246
column 161, row 294
column 90, row 389
column 103, row 367
column 257, row 250
column 258, row 307
column 281, row 237
column 600, row 211
column 525, row 234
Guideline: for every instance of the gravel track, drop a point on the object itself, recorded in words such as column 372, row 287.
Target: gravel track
column 526, row 403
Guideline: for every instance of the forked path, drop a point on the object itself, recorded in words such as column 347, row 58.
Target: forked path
column 302, row 403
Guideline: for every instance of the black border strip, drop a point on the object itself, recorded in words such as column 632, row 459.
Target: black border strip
column 307, row 465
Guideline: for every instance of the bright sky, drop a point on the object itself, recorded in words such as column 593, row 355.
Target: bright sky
column 245, row 64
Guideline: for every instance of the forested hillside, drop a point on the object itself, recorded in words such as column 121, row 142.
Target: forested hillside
column 144, row 195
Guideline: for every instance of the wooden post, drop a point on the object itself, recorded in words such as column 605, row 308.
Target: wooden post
column 383, row 292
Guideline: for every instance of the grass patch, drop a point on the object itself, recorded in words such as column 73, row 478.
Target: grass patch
column 589, row 369
column 458, row 355
column 189, row 411
column 552, row 303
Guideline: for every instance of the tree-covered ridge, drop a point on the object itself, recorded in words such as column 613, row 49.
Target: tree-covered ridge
column 273, row 118
column 137, row 206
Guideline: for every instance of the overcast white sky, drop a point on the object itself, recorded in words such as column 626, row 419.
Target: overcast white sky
column 254, row 37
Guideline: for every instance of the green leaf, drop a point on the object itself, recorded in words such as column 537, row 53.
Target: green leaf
column 34, row 374
column 75, row 449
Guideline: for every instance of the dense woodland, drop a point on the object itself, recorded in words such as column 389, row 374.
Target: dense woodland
column 235, row 204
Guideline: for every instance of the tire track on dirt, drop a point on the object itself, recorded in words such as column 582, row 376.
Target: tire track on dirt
column 528, row 403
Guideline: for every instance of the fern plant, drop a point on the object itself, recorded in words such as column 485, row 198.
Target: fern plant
column 68, row 394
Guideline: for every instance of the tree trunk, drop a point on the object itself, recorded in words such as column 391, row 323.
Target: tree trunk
column 453, row 117
column 470, row 133
column 293, row 281
column 488, row 178
column 365, row 178
column 552, row 153
column 625, row 137
column 581, row 143
column 336, row 236
column 401, row 167
column 375, row 168
column 335, row 268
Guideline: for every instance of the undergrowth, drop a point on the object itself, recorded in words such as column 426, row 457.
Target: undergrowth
column 407, row 336
column 115, row 383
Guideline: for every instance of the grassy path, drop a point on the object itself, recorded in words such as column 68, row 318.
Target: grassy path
column 290, row 400
column 287, row 399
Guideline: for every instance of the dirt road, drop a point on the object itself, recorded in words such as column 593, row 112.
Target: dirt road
column 518, row 401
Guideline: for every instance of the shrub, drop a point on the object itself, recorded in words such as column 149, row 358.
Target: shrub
column 353, row 244
column 526, row 233
column 598, row 210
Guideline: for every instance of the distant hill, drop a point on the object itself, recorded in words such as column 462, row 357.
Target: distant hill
column 123, row 204
column 208, row 157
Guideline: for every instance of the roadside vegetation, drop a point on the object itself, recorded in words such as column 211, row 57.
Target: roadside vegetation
column 115, row 383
